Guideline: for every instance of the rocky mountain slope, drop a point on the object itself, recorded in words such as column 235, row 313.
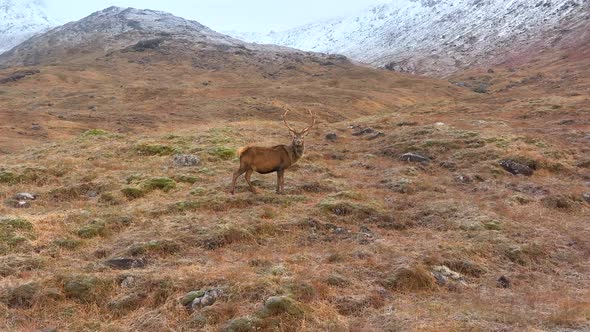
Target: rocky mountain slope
column 84, row 73
column 114, row 29
column 21, row 19
column 441, row 36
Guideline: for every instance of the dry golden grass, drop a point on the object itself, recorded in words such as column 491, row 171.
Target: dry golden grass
column 354, row 240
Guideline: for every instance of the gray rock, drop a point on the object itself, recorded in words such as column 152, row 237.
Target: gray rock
column 515, row 168
column 123, row 263
column 25, row 197
column 190, row 297
column 504, row 282
column 128, row 282
column 185, row 160
column 22, row 204
column 413, row 157
column 206, row 300
column 331, row 137
column 376, row 136
column 567, row 122
column 363, row 132
column 586, row 197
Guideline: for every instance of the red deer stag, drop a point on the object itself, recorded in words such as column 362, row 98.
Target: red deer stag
column 265, row 160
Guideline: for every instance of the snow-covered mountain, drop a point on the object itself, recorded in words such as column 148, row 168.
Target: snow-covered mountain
column 438, row 36
column 115, row 29
column 21, row 19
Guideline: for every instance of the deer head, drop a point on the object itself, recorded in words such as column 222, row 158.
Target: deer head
column 298, row 136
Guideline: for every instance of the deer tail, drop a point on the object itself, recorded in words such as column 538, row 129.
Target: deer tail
column 242, row 150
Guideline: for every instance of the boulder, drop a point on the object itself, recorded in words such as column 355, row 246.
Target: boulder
column 363, row 132
column 331, row 137
column 413, row 157
column 504, row 282
column 515, row 168
column 123, row 263
column 185, row 160
column 187, row 299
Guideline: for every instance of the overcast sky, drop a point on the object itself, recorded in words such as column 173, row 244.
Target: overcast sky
column 224, row 15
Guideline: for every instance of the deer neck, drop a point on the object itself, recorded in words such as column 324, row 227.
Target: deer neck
column 295, row 152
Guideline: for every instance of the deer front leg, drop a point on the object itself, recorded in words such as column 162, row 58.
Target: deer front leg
column 280, row 181
column 237, row 174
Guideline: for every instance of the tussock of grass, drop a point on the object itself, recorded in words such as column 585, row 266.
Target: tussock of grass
column 15, row 235
column 223, row 153
column 162, row 183
column 154, row 247
column 156, row 150
column 95, row 133
column 411, row 279
column 527, row 255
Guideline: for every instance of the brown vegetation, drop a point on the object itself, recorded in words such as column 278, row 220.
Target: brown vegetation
column 359, row 238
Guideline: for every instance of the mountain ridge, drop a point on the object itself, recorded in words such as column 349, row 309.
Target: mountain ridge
column 19, row 20
column 399, row 36
column 115, row 28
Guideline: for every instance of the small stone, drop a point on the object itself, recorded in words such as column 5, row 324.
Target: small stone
column 413, row 157
column 363, row 132
column 567, row 122
column 35, row 126
column 451, row 166
column 504, row 282
column 22, row 205
column 25, row 197
column 516, row 168
column 185, row 160
column 442, row 274
column 331, row 137
column 586, row 197
column 376, row 136
column 128, row 282
column 463, row 178
column 122, row 263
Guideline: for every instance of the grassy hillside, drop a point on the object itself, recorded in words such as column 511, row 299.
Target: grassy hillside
column 120, row 238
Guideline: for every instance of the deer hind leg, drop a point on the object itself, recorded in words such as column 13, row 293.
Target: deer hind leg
column 248, row 175
column 237, row 174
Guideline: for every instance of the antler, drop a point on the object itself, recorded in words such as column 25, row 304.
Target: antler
column 313, row 118
column 284, row 117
